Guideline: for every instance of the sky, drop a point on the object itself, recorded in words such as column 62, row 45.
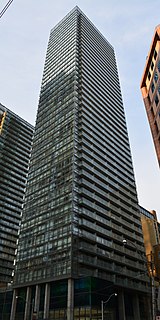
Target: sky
column 128, row 25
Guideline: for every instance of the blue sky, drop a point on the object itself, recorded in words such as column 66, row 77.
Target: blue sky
column 127, row 25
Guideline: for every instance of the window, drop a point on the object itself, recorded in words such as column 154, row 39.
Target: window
column 158, row 66
column 152, row 87
column 152, row 65
column 156, row 100
column 159, row 89
column 149, row 75
column 155, row 54
column 156, row 76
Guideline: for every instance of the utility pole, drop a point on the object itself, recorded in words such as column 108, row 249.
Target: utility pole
column 151, row 275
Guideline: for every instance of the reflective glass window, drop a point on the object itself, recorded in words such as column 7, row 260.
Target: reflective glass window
column 156, row 76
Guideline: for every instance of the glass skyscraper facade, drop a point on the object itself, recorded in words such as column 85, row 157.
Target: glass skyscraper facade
column 15, row 148
column 81, row 200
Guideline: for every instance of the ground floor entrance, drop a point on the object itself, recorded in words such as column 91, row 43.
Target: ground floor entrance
column 86, row 298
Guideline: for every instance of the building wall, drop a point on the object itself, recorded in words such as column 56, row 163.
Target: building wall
column 151, row 235
column 15, row 147
column 49, row 216
column 150, row 88
column 5, row 303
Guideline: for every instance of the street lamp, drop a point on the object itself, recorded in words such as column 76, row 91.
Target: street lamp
column 151, row 276
column 21, row 298
column 133, row 245
column 138, row 251
column 30, row 303
column 105, row 302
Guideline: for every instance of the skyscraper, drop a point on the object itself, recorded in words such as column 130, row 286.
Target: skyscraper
column 15, row 147
column 81, row 200
column 150, row 88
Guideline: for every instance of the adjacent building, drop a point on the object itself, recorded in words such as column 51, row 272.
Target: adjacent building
column 15, row 148
column 150, row 227
column 81, row 199
column 151, row 235
column 150, row 88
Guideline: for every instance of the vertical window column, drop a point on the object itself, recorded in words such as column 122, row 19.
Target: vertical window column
column 46, row 301
column 28, row 304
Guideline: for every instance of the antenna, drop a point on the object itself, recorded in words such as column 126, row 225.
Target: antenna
column 5, row 8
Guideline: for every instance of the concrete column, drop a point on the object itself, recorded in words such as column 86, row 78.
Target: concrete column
column 121, row 306
column 46, row 301
column 158, row 300
column 136, row 310
column 70, row 300
column 14, row 304
column 149, row 310
column 28, row 304
column 37, row 301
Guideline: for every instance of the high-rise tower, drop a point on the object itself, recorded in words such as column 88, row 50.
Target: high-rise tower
column 150, row 88
column 81, row 200
column 15, row 148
